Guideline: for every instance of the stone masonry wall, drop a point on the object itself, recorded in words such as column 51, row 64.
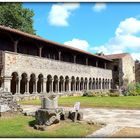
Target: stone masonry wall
column 21, row 63
column 128, row 66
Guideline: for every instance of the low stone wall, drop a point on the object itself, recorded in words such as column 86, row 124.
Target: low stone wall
column 25, row 97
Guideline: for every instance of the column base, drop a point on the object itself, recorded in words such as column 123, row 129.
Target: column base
column 17, row 93
column 34, row 93
column 26, row 93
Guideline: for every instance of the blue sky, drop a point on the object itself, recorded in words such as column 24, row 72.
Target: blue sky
column 93, row 27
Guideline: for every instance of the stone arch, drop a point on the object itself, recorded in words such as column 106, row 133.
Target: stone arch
column 67, row 83
column 61, row 84
column 55, row 84
column 32, row 83
column 14, row 82
column 23, row 83
column 49, row 83
column 40, row 83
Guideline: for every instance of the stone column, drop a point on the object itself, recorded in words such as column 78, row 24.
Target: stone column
column 36, row 85
column 105, row 65
column 109, row 84
column 58, row 86
column 44, row 85
column 55, row 86
column 74, row 57
column 101, row 85
column 86, row 61
column 7, row 83
column 15, row 45
column 69, row 85
column 18, row 86
column 90, row 85
column 93, row 85
column 96, row 63
column 87, row 85
column 79, row 85
column 83, row 85
column 74, row 86
column 40, row 51
column 27, row 87
column 64, row 85
column 52, row 85
column 59, row 55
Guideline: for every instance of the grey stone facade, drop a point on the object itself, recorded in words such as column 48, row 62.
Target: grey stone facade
column 123, row 69
column 79, row 77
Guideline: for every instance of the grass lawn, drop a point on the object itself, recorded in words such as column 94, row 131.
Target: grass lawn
column 18, row 126
column 128, row 102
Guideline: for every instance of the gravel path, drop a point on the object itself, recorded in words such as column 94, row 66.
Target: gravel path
column 106, row 131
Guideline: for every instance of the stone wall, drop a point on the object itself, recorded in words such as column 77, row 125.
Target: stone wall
column 20, row 63
column 137, row 71
column 128, row 69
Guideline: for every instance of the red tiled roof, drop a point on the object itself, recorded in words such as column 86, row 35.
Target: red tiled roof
column 48, row 41
column 116, row 56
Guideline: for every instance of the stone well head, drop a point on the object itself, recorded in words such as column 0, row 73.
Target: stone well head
column 49, row 101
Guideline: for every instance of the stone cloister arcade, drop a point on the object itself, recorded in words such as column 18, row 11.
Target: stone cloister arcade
column 32, row 84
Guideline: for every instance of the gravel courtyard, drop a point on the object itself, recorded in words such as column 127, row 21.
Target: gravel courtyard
column 115, row 119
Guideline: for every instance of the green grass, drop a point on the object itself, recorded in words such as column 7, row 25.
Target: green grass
column 130, row 102
column 18, row 126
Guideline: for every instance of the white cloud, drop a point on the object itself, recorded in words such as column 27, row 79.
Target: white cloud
column 126, row 39
column 59, row 13
column 98, row 7
column 128, row 26
column 77, row 43
column 136, row 56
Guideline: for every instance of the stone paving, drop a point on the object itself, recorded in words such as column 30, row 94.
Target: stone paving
column 115, row 119
column 106, row 131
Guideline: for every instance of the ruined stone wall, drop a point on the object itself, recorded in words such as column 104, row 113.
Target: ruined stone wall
column 128, row 68
column 21, row 63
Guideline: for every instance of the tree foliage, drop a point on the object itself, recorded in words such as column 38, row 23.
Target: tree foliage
column 15, row 16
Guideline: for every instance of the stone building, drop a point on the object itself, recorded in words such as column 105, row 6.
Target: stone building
column 30, row 65
column 137, row 71
column 123, row 69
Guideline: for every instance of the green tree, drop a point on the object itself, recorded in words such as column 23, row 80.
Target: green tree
column 15, row 16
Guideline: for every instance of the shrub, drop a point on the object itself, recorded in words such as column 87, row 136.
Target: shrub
column 115, row 94
column 95, row 94
column 133, row 89
column 91, row 94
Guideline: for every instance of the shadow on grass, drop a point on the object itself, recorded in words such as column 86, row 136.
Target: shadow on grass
column 32, row 123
